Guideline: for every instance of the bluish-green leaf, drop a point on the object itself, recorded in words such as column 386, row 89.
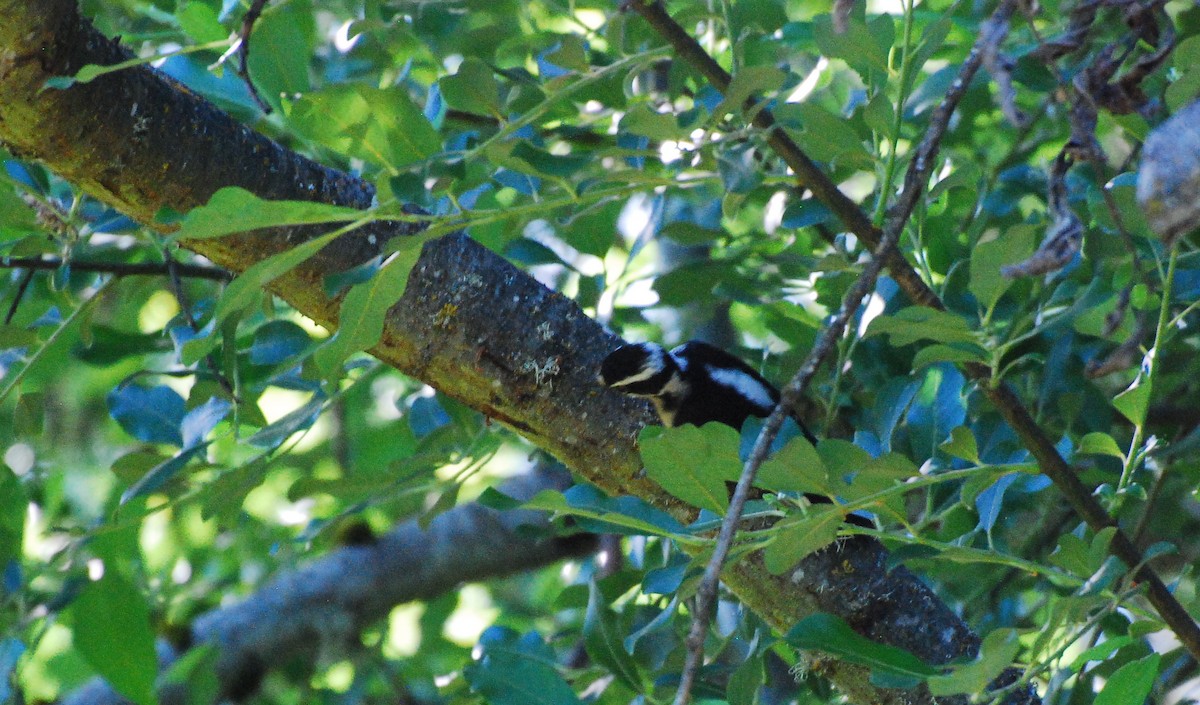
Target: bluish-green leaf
column 199, row 421
column 621, row 513
column 273, row 435
column 150, row 415
column 603, row 640
column 276, row 341
column 991, row 253
column 162, row 473
column 514, row 670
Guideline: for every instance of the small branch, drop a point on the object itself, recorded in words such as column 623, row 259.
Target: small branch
column 16, row 302
column 120, row 269
column 243, row 68
column 319, row 609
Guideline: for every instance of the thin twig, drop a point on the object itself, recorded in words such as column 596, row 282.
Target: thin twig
column 243, row 69
column 16, row 302
column 119, row 269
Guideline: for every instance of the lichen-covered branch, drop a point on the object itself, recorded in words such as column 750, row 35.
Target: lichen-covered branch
column 320, row 608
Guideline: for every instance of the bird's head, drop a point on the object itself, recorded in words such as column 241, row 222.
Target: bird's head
column 642, row 369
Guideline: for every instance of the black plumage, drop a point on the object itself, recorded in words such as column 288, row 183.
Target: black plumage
column 696, row 383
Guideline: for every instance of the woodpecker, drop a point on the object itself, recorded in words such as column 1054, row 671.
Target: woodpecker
column 694, row 383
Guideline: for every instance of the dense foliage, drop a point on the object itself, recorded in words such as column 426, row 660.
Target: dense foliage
column 185, row 437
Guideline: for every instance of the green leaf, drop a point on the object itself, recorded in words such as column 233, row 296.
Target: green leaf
column 236, row 210
column 13, row 506
column 379, row 125
column 796, row 467
column 795, row 539
column 962, row 445
column 828, row 633
column 645, row 121
column 745, row 681
column 957, row 354
column 826, row 135
column 515, row 670
column 539, row 162
column 693, row 463
column 993, row 251
column 1131, row 683
column 200, row 22
column 603, row 641
column 1101, row 651
column 921, row 323
column 864, row 47
column 1098, row 443
column 245, row 290
column 196, row 672
column 283, row 42
column 1134, row 401
column 997, row 652
column 360, row 321
column 472, row 89
column 112, row 632
column 749, row 81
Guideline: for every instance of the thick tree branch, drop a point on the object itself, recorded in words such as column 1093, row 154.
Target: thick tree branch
column 320, row 608
column 1001, row 395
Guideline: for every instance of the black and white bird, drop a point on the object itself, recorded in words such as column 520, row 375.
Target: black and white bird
column 696, row 383
column 692, row 384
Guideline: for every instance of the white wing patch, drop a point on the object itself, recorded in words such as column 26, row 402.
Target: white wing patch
column 745, row 385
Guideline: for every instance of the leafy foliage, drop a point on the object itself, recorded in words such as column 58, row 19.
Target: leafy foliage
column 192, row 436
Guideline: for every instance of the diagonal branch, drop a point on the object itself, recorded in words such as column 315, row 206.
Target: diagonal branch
column 1000, row 394
column 318, row 610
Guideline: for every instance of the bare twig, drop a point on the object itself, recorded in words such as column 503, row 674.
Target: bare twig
column 243, row 69
column 16, row 302
column 119, row 269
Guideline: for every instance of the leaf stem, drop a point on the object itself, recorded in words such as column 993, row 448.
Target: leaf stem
column 1136, row 453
